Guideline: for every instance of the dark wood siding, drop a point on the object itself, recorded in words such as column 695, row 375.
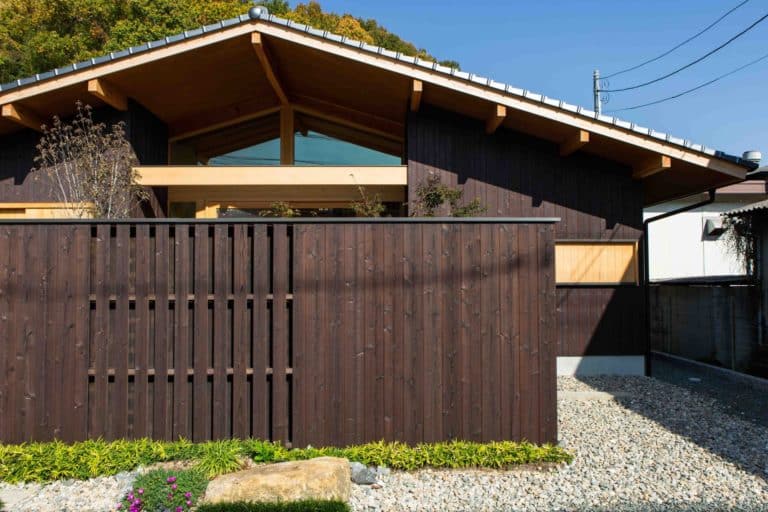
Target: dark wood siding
column 516, row 175
column 321, row 333
column 146, row 133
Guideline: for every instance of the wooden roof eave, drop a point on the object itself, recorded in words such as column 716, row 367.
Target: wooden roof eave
column 425, row 75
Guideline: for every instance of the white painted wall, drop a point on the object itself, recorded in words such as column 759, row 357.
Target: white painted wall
column 679, row 248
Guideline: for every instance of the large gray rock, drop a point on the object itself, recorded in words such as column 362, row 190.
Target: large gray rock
column 324, row 478
column 362, row 474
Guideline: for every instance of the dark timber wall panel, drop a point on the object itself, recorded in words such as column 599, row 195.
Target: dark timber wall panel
column 423, row 332
column 316, row 333
column 516, row 175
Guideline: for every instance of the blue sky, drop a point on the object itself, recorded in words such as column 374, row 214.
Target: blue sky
column 551, row 47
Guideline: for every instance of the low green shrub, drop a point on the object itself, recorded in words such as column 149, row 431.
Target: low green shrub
column 43, row 462
column 162, row 489
column 298, row 506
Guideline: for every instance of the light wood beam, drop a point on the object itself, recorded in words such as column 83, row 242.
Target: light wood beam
column 269, row 70
column 287, row 136
column 204, row 122
column 574, row 143
column 417, row 87
column 655, row 164
column 498, row 116
column 108, row 93
column 18, row 114
column 345, row 116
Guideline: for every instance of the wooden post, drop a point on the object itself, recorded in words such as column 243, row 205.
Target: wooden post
column 287, row 134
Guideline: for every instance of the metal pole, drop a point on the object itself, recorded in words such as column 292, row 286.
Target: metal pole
column 596, row 90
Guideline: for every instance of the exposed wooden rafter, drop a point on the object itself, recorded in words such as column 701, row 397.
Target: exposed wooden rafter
column 269, row 70
column 21, row 115
column 574, row 143
column 417, row 87
column 363, row 121
column 656, row 163
column 497, row 117
column 205, row 122
column 108, row 93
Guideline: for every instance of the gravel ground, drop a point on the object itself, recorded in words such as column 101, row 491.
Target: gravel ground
column 95, row 495
column 654, row 447
column 657, row 447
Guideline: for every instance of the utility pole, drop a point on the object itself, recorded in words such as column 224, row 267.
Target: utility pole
column 596, row 90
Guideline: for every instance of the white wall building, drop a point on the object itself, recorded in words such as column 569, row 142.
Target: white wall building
column 681, row 247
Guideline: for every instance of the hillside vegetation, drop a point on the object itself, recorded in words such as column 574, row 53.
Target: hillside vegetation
column 38, row 35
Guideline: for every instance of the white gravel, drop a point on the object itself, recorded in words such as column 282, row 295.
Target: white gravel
column 655, row 447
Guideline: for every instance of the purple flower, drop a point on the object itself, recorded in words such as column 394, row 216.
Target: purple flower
column 179, row 509
column 174, row 487
column 187, row 494
column 141, row 491
column 170, row 495
column 171, row 479
column 189, row 503
column 130, row 496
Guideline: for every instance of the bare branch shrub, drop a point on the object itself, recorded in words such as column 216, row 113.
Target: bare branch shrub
column 368, row 205
column 90, row 169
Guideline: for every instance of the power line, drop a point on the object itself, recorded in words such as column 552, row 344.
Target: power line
column 753, row 25
column 694, row 88
column 718, row 20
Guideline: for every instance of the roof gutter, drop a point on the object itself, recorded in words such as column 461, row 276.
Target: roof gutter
column 647, row 273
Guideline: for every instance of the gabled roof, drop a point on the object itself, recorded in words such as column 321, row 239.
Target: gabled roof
column 263, row 15
column 210, row 78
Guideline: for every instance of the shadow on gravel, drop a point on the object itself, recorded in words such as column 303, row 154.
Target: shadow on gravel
column 696, row 416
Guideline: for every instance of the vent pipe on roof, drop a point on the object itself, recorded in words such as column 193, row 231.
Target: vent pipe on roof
column 752, row 156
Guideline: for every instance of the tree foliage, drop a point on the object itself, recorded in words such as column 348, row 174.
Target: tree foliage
column 90, row 169
column 434, row 198
column 38, row 35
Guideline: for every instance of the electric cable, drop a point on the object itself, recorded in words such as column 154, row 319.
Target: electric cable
column 705, row 84
column 711, row 52
column 718, row 20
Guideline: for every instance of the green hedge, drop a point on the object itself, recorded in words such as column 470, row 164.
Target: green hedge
column 42, row 462
column 298, row 506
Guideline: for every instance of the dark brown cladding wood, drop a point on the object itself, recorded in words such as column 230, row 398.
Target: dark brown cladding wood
column 399, row 330
column 314, row 333
column 517, row 175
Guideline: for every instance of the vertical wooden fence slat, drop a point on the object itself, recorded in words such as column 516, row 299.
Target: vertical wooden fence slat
column 162, row 402
column 5, row 330
column 120, row 277
column 548, row 343
column 144, row 259
column 222, row 338
column 240, row 405
column 203, row 413
column 260, row 333
column 182, row 340
column 100, row 337
column 280, row 266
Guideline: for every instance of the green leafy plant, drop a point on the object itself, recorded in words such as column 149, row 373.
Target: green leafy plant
column 368, row 205
column 740, row 240
column 297, row 506
column 220, row 457
column 280, row 209
column 161, row 489
column 43, row 462
column 433, row 196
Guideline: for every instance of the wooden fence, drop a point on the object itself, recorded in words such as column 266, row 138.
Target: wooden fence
column 304, row 332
